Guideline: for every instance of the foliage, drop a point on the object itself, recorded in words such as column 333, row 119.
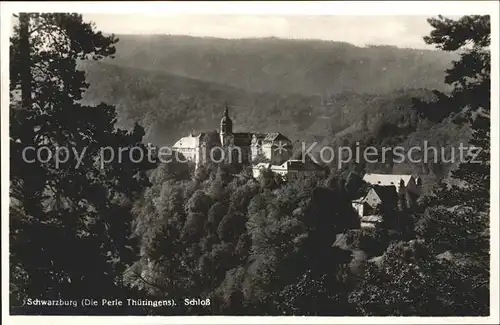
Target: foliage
column 70, row 221
column 409, row 282
column 451, row 275
column 470, row 77
column 235, row 237
column 157, row 100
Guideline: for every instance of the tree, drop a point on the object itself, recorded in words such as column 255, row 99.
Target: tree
column 462, row 229
column 446, row 270
column 470, row 79
column 410, row 282
column 70, row 218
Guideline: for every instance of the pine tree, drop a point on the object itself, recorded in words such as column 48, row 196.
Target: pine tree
column 418, row 277
column 470, row 78
column 69, row 221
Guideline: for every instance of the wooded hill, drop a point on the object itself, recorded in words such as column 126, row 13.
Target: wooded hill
column 307, row 89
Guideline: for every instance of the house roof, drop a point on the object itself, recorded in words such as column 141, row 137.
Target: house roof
column 386, row 179
column 388, row 194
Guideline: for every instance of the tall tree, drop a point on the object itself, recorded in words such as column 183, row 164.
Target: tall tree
column 470, row 79
column 470, row 100
column 69, row 217
column 446, row 270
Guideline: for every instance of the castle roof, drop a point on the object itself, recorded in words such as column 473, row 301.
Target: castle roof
column 291, row 165
column 262, row 165
column 273, row 136
column 241, row 138
column 259, row 136
column 226, row 117
column 191, row 141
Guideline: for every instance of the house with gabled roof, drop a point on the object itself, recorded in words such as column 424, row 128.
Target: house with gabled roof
column 408, row 186
column 371, row 206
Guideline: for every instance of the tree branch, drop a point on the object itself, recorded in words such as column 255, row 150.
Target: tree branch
column 161, row 289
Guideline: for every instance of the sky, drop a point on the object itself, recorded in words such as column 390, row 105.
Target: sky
column 401, row 31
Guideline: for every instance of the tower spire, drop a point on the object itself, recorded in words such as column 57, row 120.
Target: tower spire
column 226, row 125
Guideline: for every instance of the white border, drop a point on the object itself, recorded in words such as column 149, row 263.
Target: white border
column 429, row 8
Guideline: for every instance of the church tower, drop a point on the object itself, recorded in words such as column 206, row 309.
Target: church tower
column 226, row 126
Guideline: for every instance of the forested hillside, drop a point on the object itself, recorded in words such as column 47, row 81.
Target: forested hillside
column 310, row 90
column 286, row 66
column 169, row 106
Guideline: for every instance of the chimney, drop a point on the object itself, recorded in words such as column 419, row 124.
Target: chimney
column 401, row 186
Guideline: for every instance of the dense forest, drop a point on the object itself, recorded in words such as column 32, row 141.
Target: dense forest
column 252, row 246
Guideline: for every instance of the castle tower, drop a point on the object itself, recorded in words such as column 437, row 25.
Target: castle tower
column 226, row 125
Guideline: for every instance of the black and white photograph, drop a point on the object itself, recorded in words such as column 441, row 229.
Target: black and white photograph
column 250, row 163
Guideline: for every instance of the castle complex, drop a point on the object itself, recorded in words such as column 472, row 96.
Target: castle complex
column 273, row 152
column 261, row 150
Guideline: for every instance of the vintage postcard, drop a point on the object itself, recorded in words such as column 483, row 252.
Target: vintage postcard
column 250, row 162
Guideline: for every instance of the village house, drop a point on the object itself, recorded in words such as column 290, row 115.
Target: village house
column 387, row 193
column 377, row 201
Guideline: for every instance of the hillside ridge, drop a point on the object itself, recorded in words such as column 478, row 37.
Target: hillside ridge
column 287, row 65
